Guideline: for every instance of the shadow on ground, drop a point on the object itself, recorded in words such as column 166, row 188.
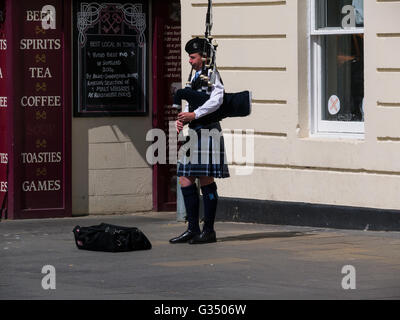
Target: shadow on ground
column 264, row 235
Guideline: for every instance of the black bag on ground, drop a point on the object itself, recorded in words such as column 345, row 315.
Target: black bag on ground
column 110, row 238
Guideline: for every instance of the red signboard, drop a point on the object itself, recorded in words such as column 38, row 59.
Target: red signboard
column 39, row 107
column 3, row 111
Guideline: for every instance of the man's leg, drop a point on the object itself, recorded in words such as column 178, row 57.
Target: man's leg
column 191, row 199
column 210, row 200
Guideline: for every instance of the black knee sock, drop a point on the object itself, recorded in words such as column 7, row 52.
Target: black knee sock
column 191, row 199
column 210, row 200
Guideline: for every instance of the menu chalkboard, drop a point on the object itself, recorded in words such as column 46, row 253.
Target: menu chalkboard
column 111, row 55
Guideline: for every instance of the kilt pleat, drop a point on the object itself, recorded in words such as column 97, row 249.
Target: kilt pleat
column 205, row 156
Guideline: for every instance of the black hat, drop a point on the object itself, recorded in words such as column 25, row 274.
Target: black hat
column 195, row 45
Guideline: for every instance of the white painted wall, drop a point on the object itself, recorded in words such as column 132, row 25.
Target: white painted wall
column 263, row 48
column 109, row 169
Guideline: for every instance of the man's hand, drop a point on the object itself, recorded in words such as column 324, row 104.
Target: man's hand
column 179, row 126
column 186, row 117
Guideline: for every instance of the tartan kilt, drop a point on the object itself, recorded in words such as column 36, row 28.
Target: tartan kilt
column 205, row 156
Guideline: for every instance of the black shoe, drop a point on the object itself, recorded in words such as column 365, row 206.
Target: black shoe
column 204, row 237
column 184, row 237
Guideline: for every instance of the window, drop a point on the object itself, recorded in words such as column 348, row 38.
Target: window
column 337, row 66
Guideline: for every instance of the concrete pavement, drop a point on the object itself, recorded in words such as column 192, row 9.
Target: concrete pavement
column 249, row 261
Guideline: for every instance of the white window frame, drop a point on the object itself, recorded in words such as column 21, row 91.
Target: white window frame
column 319, row 127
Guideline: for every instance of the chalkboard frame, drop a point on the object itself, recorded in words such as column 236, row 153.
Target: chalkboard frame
column 109, row 110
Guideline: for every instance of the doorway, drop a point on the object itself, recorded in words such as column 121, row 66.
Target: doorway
column 166, row 79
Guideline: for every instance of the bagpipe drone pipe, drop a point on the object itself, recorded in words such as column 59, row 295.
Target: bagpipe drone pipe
column 234, row 104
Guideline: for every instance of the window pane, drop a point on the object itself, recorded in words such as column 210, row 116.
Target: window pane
column 343, row 77
column 329, row 13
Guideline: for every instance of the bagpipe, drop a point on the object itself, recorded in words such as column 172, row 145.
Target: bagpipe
column 234, row 104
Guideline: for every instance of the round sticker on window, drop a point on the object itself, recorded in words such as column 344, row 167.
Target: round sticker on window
column 334, row 105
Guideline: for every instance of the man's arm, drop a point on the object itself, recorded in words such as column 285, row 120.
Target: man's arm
column 215, row 101
column 212, row 104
